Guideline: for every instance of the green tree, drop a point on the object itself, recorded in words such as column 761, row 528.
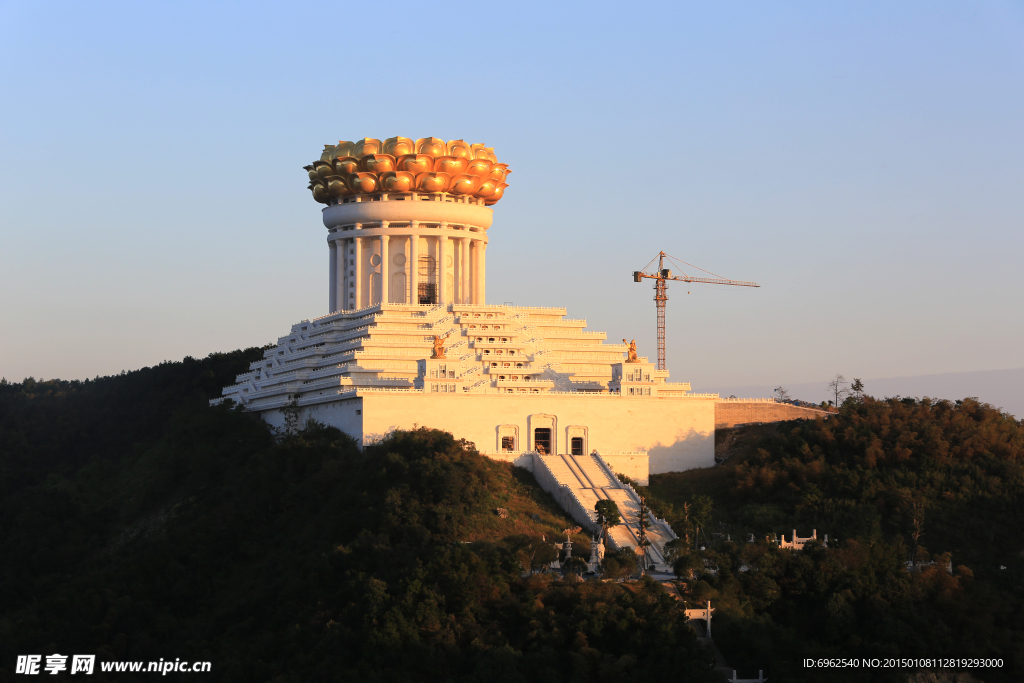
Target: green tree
column 544, row 554
column 607, row 512
column 619, row 564
column 700, row 515
column 607, row 516
column 575, row 565
column 686, row 562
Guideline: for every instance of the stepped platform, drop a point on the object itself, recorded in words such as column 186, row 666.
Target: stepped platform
column 496, row 375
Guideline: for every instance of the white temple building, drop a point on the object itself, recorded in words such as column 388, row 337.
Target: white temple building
column 410, row 340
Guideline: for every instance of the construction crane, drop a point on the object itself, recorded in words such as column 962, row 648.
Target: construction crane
column 661, row 278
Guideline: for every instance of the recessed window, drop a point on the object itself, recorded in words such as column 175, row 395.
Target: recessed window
column 577, row 445
column 508, row 443
column 542, row 439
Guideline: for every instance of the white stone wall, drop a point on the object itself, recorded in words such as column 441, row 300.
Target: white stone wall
column 677, row 434
column 346, row 415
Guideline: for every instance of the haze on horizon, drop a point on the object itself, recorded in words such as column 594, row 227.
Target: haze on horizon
column 863, row 163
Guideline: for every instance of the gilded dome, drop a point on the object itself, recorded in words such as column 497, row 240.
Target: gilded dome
column 427, row 165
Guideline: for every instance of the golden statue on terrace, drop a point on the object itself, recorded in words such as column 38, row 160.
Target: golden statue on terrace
column 631, row 351
column 438, row 347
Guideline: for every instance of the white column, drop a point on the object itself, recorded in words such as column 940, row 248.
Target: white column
column 483, row 272
column 341, row 284
column 384, row 266
column 464, row 290
column 442, row 264
column 343, row 273
column 475, row 258
column 414, row 266
column 359, row 272
column 332, row 278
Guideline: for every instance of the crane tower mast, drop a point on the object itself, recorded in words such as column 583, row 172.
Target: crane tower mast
column 661, row 278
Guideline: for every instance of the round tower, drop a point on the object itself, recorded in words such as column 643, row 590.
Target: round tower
column 407, row 220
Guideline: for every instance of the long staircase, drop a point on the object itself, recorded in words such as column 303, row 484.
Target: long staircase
column 578, row 481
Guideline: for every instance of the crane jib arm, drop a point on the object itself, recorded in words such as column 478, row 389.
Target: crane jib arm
column 640, row 275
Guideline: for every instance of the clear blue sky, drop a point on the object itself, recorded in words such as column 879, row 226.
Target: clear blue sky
column 863, row 161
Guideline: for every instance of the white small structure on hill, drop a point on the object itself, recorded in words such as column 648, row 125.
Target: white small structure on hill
column 704, row 614
column 798, row 543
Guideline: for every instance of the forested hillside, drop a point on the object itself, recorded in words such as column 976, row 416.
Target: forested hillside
column 138, row 523
column 889, row 481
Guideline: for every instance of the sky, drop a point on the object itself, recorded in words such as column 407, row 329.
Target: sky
column 863, row 162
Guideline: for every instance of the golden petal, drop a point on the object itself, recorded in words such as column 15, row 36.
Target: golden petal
column 344, row 149
column 328, row 153
column 499, row 172
column 320, row 194
column 366, row 146
column 415, row 163
column 362, row 183
column 460, row 149
column 432, row 182
column 499, row 191
column 479, row 167
column 323, row 169
column 398, row 146
column 346, row 165
column 431, row 147
column 377, row 163
column 397, row 181
column 337, row 187
column 464, row 184
column 481, row 152
column 487, row 188
column 451, row 165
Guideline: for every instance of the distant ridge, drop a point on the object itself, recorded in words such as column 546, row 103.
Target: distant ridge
column 1002, row 388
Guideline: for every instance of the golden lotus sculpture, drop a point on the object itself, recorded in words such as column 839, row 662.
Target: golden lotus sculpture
column 396, row 165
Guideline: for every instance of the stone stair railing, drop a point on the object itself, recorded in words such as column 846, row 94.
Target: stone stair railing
column 563, row 494
column 662, row 524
